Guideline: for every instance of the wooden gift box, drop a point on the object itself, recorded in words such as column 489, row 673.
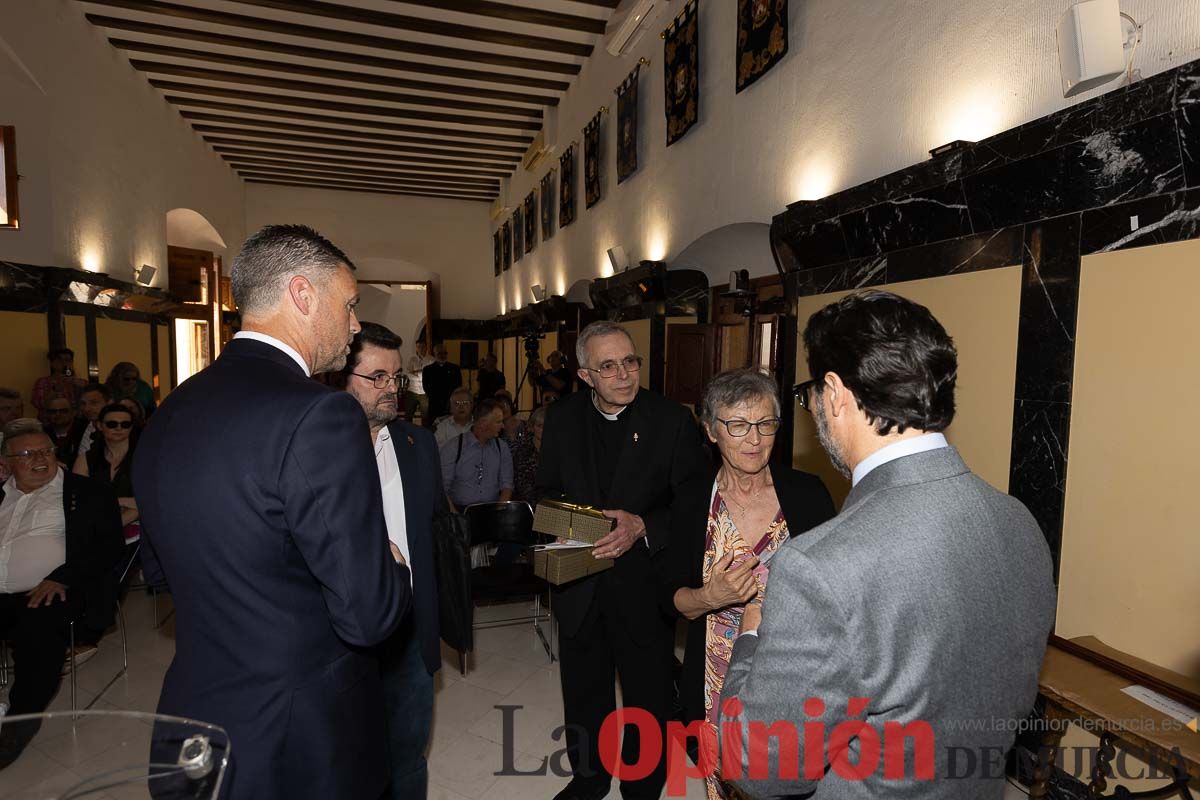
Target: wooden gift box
column 570, row 521
column 563, row 566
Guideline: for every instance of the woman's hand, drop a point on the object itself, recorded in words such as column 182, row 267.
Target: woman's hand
column 730, row 587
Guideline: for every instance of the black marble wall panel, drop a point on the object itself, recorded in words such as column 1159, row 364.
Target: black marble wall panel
column 1140, row 223
column 856, row 274
column 1037, row 474
column 1049, row 304
column 1187, row 117
column 1002, row 248
column 929, row 216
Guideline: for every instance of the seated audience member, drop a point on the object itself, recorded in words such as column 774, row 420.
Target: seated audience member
column 125, row 382
column 514, row 426
column 60, row 427
column 458, row 421
column 60, row 534
column 491, row 379
column 93, row 398
column 926, row 602
column 477, row 465
column 556, row 377
column 136, row 410
column 11, row 408
column 61, row 382
column 735, row 519
column 525, row 457
column 438, row 380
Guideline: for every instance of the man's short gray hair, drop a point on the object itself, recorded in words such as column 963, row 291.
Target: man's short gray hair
column 737, row 386
column 20, row 427
column 272, row 256
column 599, row 328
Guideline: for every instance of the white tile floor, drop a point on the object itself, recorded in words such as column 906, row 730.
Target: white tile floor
column 509, row 667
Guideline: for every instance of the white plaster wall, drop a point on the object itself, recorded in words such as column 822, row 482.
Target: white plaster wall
column 102, row 156
column 394, row 237
column 868, row 87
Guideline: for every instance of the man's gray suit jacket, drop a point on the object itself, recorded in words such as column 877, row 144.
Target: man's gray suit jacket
column 931, row 595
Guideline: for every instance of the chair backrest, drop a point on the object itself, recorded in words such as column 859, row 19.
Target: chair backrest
column 501, row 522
column 127, row 564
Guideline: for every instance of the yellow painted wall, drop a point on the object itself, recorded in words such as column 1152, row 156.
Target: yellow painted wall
column 980, row 312
column 77, row 341
column 23, row 347
column 639, row 331
column 164, row 360
column 1131, row 542
column 119, row 340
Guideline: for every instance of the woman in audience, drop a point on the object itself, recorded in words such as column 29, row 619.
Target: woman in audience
column 525, row 457
column 737, row 516
column 135, row 409
column 125, row 381
column 514, row 426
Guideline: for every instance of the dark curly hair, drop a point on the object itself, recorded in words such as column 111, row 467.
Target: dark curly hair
column 892, row 354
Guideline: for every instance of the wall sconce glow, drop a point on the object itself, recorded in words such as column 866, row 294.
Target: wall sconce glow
column 972, row 115
column 814, row 180
column 90, row 261
column 560, row 282
column 656, row 246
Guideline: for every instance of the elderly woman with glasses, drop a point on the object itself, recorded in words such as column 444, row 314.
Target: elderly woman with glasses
column 736, row 518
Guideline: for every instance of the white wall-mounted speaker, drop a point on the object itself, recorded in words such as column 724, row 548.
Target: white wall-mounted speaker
column 144, row 274
column 1090, row 45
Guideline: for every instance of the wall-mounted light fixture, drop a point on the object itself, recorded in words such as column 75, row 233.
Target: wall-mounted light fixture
column 538, row 292
column 144, row 274
column 950, row 147
column 618, row 259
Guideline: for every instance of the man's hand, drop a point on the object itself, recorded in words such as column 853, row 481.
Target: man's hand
column 396, row 554
column 751, row 618
column 629, row 529
column 46, row 592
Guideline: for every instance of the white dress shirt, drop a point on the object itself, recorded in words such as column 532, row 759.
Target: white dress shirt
column 33, row 534
column 393, row 494
column 278, row 345
column 902, row 448
column 445, row 429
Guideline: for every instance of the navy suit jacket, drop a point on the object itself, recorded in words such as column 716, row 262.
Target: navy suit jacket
column 421, row 475
column 260, row 497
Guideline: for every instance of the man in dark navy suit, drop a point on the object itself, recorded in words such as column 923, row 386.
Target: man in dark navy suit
column 258, row 493
column 410, row 479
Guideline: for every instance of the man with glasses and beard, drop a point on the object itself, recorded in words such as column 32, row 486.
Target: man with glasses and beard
column 257, row 492
column 627, row 450
column 925, row 604
column 410, row 480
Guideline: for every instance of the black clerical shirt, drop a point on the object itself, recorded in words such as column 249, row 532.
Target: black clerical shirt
column 609, row 437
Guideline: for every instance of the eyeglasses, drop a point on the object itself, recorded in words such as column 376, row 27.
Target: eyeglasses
column 462, row 403
column 803, row 392
column 381, row 381
column 741, row 427
column 113, row 424
column 30, row 455
column 611, row 369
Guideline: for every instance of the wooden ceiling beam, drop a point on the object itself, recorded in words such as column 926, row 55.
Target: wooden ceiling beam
column 352, row 108
column 508, row 160
column 320, row 54
column 351, row 187
column 445, row 135
column 233, row 141
column 329, row 34
column 533, row 16
column 331, row 74
column 258, row 165
column 337, row 90
column 285, row 153
column 504, row 152
column 424, row 25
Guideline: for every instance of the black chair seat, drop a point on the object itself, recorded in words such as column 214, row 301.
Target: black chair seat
column 511, row 580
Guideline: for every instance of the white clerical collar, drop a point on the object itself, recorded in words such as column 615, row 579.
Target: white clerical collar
column 902, row 448
column 278, row 345
column 609, row 417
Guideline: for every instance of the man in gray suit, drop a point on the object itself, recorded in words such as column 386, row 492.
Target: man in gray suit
column 899, row 642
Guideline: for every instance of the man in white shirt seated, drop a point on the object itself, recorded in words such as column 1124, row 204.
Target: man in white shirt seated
column 60, row 534
column 410, row 480
column 458, row 421
column 415, row 398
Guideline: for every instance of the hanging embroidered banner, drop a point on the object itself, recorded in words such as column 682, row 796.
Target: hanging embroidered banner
column 762, row 38
column 531, row 221
column 506, row 243
column 548, row 205
column 627, row 124
column 497, row 256
column 591, row 161
column 518, row 235
column 566, row 187
column 681, row 69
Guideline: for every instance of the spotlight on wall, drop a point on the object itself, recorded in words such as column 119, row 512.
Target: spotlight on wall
column 618, row 259
column 144, row 274
column 1090, row 45
column 951, row 147
column 538, row 291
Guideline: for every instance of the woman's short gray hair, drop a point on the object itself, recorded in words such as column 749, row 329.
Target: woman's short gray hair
column 737, row 386
column 598, row 328
column 538, row 415
column 20, row 427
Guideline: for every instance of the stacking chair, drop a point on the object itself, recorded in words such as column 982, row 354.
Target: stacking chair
column 508, row 523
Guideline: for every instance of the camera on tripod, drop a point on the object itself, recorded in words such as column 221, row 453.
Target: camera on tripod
column 532, row 347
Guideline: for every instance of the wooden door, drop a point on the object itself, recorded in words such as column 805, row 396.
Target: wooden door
column 691, row 356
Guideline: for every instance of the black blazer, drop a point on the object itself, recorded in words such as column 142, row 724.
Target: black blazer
column 94, row 542
column 438, row 381
column 667, row 453
column 421, row 475
column 806, row 504
column 259, row 493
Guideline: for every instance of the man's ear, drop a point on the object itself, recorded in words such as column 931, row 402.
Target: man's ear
column 585, row 376
column 302, row 294
column 841, row 399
